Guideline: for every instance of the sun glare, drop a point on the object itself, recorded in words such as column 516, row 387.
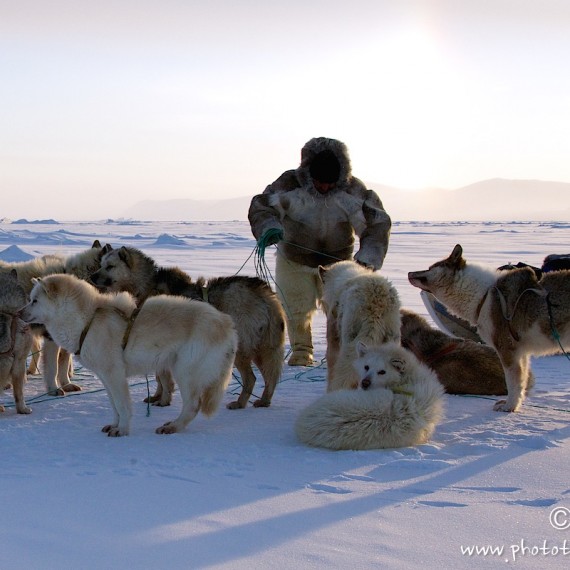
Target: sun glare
column 406, row 115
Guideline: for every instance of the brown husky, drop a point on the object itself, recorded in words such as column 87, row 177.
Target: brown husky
column 253, row 306
column 463, row 366
column 515, row 312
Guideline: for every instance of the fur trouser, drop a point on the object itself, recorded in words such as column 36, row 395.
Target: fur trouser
column 300, row 289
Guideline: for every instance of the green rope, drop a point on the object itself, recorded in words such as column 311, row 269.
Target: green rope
column 270, row 237
column 147, row 396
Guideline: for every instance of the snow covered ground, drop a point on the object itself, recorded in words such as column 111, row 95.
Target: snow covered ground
column 239, row 491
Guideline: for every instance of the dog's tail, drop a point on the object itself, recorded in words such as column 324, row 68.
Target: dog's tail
column 354, row 419
column 276, row 322
column 211, row 398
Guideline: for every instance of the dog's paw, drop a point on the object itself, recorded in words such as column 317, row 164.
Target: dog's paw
column 112, row 430
column 23, row 410
column 2, row 408
column 234, row 405
column 502, row 406
column 71, row 387
column 56, row 392
column 158, row 401
column 261, row 403
column 168, row 427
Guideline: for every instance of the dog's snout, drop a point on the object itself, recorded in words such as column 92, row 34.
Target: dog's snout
column 365, row 383
column 418, row 279
column 416, row 276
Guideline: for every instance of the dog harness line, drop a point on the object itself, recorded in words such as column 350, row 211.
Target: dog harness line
column 130, row 321
column 13, row 330
column 503, row 302
column 438, row 355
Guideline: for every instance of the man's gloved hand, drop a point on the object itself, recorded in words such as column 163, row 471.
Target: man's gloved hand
column 364, row 263
column 270, row 237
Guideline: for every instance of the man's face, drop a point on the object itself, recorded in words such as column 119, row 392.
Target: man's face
column 323, row 187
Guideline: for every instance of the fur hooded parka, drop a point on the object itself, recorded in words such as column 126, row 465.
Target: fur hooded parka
column 319, row 229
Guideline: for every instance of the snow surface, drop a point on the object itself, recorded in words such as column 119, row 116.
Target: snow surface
column 239, row 491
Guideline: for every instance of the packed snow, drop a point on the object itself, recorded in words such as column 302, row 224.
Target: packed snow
column 238, row 490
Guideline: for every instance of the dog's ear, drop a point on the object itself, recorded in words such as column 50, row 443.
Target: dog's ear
column 106, row 249
column 456, row 258
column 50, row 290
column 96, row 244
column 322, row 272
column 361, row 349
column 399, row 364
column 456, row 254
column 125, row 256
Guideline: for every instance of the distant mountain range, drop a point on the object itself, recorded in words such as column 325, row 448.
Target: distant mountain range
column 493, row 200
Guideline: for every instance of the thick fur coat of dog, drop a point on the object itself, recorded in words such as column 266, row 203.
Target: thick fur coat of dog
column 257, row 313
column 463, row 366
column 57, row 363
column 194, row 342
column 15, row 338
column 360, row 305
column 514, row 312
column 398, row 403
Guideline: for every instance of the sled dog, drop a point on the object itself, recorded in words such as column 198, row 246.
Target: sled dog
column 463, row 366
column 57, row 365
column 398, row 403
column 193, row 341
column 360, row 305
column 516, row 313
column 15, row 338
column 257, row 313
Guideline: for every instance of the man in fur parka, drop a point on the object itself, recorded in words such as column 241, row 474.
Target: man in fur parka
column 312, row 213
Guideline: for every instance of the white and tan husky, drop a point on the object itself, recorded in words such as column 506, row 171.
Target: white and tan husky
column 515, row 312
column 361, row 305
column 191, row 340
column 398, row 404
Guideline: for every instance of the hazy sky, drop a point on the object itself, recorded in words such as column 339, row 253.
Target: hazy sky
column 109, row 102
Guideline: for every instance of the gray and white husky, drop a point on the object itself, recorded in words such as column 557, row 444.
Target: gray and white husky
column 515, row 312
column 257, row 313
